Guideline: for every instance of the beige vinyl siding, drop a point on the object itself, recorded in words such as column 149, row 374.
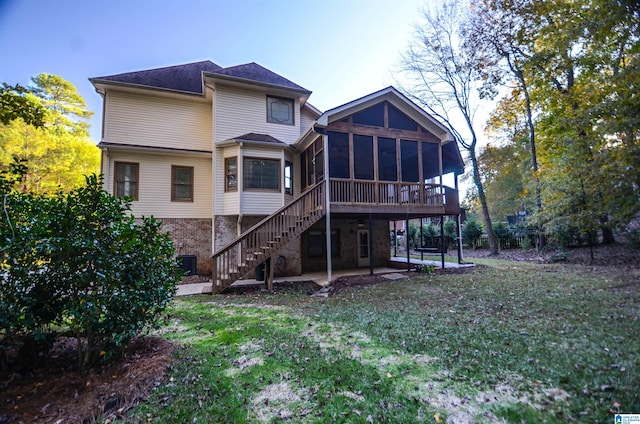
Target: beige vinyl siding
column 148, row 120
column 240, row 112
column 262, row 202
column 306, row 119
column 154, row 185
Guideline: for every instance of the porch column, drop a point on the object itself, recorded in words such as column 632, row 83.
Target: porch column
column 370, row 244
column 406, row 236
column 327, row 205
column 395, row 240
column 442, row 239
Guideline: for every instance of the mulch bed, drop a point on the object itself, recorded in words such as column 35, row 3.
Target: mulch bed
column 58, row 392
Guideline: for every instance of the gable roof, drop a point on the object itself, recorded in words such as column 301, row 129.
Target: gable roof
column 186, row 78
column 399, row 100
column 252, row 72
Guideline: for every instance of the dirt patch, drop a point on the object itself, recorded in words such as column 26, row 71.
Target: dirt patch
column 59, row 393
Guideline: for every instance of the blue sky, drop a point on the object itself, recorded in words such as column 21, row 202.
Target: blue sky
column 339, row 49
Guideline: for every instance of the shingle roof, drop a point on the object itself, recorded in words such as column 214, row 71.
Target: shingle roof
column 187, row 77
column 254, row 72
column 265, row 138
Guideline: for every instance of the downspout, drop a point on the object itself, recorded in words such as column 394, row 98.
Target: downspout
column 104, row 170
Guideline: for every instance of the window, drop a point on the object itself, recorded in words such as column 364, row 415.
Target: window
column 279, row 110
column 231, row 174
column 261, row 174
column 338, row 155
column 312, row 164
column 401, row 121
column 181, row 184
column 430, row 163
column 126, row 179
column 387, row 161
column 409, row 161
column 288, row 185
column 318, row 244
column 362, row 157
column 373, row 116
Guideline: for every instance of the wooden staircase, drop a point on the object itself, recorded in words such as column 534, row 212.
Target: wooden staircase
column 261, row 242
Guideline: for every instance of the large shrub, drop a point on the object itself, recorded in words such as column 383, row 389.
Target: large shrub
column 471, row 232
column 81, row 264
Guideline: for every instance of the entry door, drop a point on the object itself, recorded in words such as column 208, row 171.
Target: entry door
column 363, row 247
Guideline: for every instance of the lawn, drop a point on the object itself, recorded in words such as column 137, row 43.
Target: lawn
column 508, row 341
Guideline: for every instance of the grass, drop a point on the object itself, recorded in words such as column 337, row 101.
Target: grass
column 509, row 341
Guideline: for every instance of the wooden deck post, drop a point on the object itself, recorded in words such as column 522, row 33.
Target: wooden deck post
column 406, row 236
column 442, row 238
column 269, row 273
column 370, row 243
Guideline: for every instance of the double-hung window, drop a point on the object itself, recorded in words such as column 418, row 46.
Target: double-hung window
column 126, row 179
column 181, row 184
column 231, row 174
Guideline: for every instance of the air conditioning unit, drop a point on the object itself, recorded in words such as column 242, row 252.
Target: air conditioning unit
column 188, row 263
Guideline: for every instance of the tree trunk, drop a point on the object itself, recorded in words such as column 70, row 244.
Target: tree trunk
column 607, row 232
column 493, row 247
column 534, row 159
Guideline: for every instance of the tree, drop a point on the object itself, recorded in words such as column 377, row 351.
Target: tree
column 17, row 103
column 58, row 150
column 576, row 65
column 439, row 64
column 66, row 106
column 497, row 29
column 79, row 263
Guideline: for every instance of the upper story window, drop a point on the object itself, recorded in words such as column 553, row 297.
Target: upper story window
column 181, row 184
column 126, row 179
column 280, row 110
column 231, row 174
column 261, row 174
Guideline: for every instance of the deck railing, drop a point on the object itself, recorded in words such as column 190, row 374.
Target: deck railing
column 260, row 242
column 354, row 192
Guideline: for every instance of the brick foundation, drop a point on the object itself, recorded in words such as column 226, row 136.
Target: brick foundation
column 191, row 236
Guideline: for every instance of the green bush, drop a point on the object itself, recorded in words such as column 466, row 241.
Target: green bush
column 80, row 263
column 450, row 231
column 471, row 231
column 633, row 237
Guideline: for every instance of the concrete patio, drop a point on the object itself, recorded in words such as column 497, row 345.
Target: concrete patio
column 320, row 278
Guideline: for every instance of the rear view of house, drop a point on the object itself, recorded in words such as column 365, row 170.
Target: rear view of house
column 243, row 171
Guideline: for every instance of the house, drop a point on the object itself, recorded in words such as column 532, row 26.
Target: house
column 244, row 172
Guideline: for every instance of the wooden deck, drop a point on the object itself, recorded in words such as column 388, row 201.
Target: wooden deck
column 359, row 196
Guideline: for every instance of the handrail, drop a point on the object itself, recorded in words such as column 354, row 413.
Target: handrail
column 262, row 241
